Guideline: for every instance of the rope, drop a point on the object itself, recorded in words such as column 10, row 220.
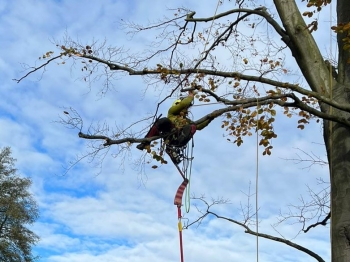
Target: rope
column 257, row 184
column 188, row 188
column 331, row 109
column 211, row 26
column 179, row 225
column 184, row 172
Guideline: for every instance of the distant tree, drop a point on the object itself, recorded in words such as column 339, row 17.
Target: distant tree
column 17, row 209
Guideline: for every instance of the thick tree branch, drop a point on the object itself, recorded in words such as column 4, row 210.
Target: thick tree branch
column 109, row 141
column 234, row 106
column 261, row 11
column 293, row 87
column 304, row 47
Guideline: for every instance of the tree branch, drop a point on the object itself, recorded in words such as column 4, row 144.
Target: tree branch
column 323, row 223
column 261, row 11
column 236, row 75
column 34, row 69
column 251, row 232
column 234, row 106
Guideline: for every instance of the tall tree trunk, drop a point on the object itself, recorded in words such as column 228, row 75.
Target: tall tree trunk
column 336, row 136
column 338, row 148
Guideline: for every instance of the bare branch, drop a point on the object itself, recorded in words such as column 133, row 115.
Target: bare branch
column 310, row 158
column 317, row 208
column 323, row 223
column 34, row 69
column 251, row 232
column 261, row 11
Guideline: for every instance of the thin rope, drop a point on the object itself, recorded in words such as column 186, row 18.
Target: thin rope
column 188, row 188
column 257, row 182
column 187, row 193
column 331, row 108
column 211, row 26
column 207, row 41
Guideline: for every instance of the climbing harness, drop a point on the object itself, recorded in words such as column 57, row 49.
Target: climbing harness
column 185, row 155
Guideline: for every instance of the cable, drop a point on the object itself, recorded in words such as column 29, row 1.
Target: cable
column 188, row 188
column 257, row 182
column 331, row 109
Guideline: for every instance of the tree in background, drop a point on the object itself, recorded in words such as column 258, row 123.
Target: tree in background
column 17, row 210
column 243, row 63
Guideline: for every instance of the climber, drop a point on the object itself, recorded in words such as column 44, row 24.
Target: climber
column 177, row 122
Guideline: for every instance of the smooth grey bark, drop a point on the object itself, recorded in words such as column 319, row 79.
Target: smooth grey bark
column 336, row 136
column 338, row 143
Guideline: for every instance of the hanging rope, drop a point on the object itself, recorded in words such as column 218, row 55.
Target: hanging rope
column 257, row 182
column 331, row 108
column 179, row 224
column 188, row 188
column 187, row 162
column 178, row 203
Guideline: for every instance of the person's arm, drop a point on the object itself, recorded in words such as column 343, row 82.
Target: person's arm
column 203, row 124
column 185, row 103
column 206, row 122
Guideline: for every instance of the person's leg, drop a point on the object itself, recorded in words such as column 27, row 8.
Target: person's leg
column 160, row 127
column 164, row 125
column 184, row 135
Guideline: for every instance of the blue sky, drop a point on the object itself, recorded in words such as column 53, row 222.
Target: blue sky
column 116, row 213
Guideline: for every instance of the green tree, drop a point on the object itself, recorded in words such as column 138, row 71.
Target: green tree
column 258, row 43
column 17, row 209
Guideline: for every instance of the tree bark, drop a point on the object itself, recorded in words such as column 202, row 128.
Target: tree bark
column 338, row 148
column 303, row 46
column 336, row 136
column 343, row 16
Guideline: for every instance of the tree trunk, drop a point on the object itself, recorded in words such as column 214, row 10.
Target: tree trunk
column 338, row 148
column 336, row 136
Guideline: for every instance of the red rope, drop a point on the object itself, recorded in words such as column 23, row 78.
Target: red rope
column 180, row 233
column 178, row 203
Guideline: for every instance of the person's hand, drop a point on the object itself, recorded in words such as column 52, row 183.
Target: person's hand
column 192, row 92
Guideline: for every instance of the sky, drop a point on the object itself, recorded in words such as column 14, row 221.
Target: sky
column 120, row 211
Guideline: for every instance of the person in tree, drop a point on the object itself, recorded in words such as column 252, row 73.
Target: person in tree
column 179, row 127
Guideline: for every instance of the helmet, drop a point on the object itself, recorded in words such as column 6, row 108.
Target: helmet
column 176, row 102
column 179, row 100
